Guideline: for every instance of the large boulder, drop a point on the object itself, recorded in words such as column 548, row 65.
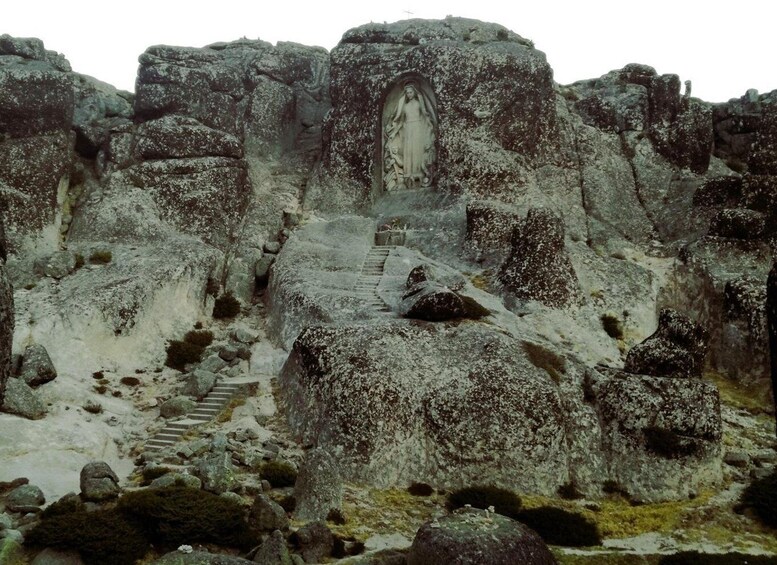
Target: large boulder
column 99, row 482
column 396, row 403
column 319, row 487
column 431, row 301
column 489, row 93
column 184, row 557
column 473, row 537
column 662, row 436
column 36, row 112
column 266, row 514
column 37, row 367
column 274, row 551
column 744, row 342
column 538, row 267
column 25, row 498
column 676, row 349
column 315, row 542
column 21, row 400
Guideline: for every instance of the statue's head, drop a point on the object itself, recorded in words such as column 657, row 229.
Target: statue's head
column 410, row 91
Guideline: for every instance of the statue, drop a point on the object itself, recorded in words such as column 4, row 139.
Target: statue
column 409, row 134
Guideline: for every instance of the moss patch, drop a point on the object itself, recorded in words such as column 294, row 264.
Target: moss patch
column 755, row 398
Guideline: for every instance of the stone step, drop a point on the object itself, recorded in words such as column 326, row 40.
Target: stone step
column 167, row 436
column 225, row 395
column 177, row 426
column 202, row 417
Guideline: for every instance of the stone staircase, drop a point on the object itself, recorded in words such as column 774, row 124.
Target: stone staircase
column 369, row 278
column 207, row 409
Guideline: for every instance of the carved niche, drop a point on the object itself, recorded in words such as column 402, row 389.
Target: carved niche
column 409, row 132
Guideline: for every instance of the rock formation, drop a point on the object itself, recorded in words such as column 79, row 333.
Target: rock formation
column 6, row 319
column 451, row 264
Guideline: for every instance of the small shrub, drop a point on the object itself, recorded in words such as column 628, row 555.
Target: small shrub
column 101, row 257
column 150, row 473
column 172, row 516
column 336, row 517
column 130, row 381
column 552, row 363
column 180, row 353
column 29, row 286
column 279, row 473
column 102, row 536
column 98, row 375
column 79, row 261
column 226, row 306
column 198, row 326
column 66, row 505
column 568, row 491
column 667, row 443
column 560, row 527
column 116, row 393
column 696, row 558
column 761, row 497
column 212, row 287
column 93, row 407
column 101, row 389
column 613, row 327
column 202, row 338
column 504, row 501
column 420, row 489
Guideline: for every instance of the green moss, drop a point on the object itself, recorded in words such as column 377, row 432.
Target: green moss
column 173, row 516
column 226, row 306
column 561, row 527
column 279, row 474
column 504, row 501
column 79, row 261
column 761, row 497
column 202, row 338
column 101, row 257
column 180, row 353
column 102, row 536
column 552, row 363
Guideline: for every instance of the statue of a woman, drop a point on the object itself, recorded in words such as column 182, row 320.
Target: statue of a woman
column 409, row 144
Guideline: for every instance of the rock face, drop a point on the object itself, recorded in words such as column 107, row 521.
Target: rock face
column 319, row 487
column 99, row 482
column 6, row 321
column 35, row 117
column 492, row 92
column 423, row 381
column 537, row 267
column 676, row 349
column 670, row 426
column 471, row 537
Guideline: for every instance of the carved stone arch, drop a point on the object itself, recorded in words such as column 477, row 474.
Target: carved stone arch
column 408, row 134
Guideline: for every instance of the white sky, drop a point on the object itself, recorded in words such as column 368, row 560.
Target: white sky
column 723, row 47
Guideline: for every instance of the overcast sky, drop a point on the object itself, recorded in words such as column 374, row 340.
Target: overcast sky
column 724, row 48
